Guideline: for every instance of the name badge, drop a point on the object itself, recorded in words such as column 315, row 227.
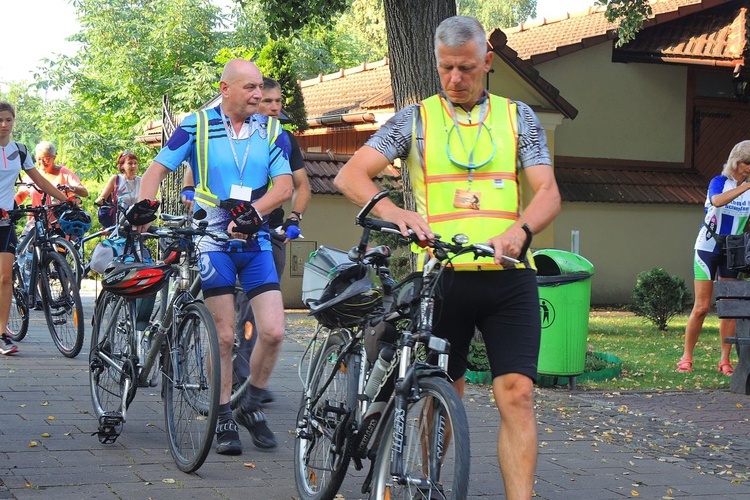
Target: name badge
column 499, row 183
column 242, row 193
column 467, row 199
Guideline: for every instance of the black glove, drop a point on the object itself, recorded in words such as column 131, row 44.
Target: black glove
column 142, row 212
column 290, row 222
column 246, row 219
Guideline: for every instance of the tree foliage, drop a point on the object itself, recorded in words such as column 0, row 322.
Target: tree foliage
column 630, row 13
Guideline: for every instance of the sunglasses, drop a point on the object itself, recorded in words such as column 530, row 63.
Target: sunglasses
column 124, row 153
column 45, row 158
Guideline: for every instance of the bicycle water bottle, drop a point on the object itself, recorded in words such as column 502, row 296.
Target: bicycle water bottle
column 379, row 371
column 26, row 259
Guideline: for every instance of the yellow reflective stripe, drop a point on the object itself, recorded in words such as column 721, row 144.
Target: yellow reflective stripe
column 203, row 195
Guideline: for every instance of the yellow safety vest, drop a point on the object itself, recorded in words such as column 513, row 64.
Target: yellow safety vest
column 203, row 194
column 440, row 182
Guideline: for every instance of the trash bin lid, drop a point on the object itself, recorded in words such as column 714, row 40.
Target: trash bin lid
column 553, row 262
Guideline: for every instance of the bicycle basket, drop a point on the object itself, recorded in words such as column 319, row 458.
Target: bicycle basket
column 75, row 222
column 353, row 292
column 135, row 280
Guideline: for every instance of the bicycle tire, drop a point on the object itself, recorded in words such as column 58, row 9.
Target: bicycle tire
column 192, row 387
column 62, row 306
column 69, row 251
column 18, row 319
column 322, row 448
column 111, row 350
column 437, row 403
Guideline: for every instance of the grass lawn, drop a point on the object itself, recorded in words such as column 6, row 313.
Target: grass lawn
column 650, row 357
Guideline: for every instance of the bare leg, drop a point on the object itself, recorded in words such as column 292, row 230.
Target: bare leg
column 517, row 441
column 6, row 288
column 268, row 309
column 703, row 291
column 219, row 305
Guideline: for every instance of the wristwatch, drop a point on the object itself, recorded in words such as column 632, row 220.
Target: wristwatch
column 527, row 230
column 299, row 215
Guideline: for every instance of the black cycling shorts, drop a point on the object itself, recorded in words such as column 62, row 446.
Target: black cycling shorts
column 8, row 239
column 503, row 306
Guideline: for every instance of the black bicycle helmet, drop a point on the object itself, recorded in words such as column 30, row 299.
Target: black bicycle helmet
column 75, row 222
column 135, row 280
column 353, row 292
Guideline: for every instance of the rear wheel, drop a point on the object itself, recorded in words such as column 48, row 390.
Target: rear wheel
column 192, row 385
column 18, row 320
column 110, row 374
column 62, row 305
column 321, row 449
column 435, row 447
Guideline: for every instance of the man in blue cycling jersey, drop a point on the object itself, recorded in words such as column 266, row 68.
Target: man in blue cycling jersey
column 233, row 151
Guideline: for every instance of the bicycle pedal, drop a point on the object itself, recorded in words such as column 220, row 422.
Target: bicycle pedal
column 110, row 427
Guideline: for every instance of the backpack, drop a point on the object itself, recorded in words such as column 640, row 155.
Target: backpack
column 23, row 152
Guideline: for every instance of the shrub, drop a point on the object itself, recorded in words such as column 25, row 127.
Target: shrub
column 477, row 359
column 658, row 297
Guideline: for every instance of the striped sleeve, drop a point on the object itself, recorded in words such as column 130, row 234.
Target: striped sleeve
column 532, row 140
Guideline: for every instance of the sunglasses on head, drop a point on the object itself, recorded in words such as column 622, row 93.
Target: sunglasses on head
column 124, row 153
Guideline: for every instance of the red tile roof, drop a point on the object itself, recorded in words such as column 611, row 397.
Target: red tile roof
column 716, row 37
column 622, row 185
column 552, row 38
column 353, row 90
column 322, row 168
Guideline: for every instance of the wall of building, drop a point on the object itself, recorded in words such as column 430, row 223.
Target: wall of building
column 329, row 221
column 624, row 240
column 626, row 111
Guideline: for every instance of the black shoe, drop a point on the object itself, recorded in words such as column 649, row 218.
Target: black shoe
column 266, row 396
column 255, row 422
column 228, row 438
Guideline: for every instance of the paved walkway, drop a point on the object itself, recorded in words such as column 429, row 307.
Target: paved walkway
column 593, row 445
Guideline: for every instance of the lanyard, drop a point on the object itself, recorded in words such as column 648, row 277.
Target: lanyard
column 230, row 133
column 482, row 115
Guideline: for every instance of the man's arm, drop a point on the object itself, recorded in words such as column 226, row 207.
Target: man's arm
column 155, row 173
column 354, row 180
column 301, row 195
column 280, row 192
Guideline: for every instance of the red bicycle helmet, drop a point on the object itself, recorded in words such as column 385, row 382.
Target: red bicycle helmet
column 135, row 280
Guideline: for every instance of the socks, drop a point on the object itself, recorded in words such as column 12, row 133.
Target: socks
column 252, row 399
column 225, row 413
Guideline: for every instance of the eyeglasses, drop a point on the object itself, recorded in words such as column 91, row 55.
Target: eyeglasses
column 124, row 153
column 471, row 163
column 45, row 158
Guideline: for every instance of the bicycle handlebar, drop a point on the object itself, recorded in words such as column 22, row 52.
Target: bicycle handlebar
column 460, row 243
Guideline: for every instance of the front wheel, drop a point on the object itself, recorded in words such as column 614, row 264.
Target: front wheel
column 192, row 383
column 111, row 376
column 62, row 305
column 435, row 447
column 322, row 449
column 70, row 253
column 18, row 320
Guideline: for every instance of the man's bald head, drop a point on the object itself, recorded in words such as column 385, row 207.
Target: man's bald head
column 240, row 86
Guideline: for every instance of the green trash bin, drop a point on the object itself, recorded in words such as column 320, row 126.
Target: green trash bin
column 564, row 280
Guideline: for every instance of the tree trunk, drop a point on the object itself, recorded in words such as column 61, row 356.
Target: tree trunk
column 410, row 26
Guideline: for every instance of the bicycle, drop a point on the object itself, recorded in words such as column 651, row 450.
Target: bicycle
column 44, row 274
column 375, row 382
column 65, row 247
column 181, row 340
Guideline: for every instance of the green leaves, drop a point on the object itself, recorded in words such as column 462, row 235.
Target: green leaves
column 658, row 296
column 630, row 13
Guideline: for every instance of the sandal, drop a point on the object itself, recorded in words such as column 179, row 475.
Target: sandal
column 725, row 367
column 685, row 365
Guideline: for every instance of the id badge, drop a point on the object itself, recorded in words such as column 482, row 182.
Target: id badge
column 467, row 199
column 241, row 193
